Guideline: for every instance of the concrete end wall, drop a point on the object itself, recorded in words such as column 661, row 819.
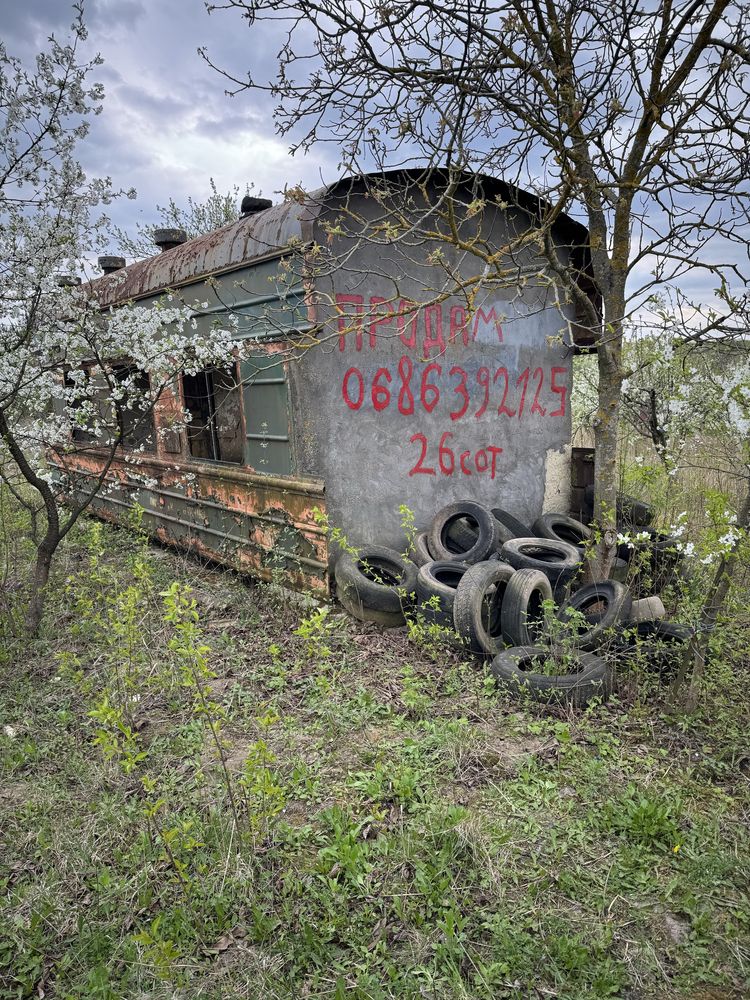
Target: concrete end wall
column 449, row 401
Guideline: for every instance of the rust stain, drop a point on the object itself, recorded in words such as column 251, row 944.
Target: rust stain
column 282, row 540
column 266, row 234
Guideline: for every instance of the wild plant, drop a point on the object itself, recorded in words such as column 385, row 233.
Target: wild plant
column 409, row 528
column 335, row 535
column 431, row 637
column 413, row 696
column 317, row 629
column 191, row 659
column 115, row 736
column 262, row 789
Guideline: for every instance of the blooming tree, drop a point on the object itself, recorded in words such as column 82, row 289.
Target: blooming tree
column 72, row 377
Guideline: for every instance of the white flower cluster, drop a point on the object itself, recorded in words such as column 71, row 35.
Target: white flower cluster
column 625, row 538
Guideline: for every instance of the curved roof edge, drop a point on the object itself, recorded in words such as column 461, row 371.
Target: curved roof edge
column 274, row 231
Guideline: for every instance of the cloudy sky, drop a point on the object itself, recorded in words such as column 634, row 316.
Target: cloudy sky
column 167, row 124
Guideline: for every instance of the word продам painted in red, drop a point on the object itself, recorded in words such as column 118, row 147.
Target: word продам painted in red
column 533, row 391
column 467, row 462
column 426, row 328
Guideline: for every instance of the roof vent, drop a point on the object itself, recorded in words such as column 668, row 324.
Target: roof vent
column 168, row 239
column 110, row 264
column 252, row 205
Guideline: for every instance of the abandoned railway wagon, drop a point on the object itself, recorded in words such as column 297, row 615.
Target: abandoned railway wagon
column 403, row 342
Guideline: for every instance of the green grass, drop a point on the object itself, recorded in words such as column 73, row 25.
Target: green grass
column 329, row 810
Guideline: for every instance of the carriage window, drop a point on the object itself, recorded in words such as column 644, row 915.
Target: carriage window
column 137, row 413
column 137, row 418
column 212, row 397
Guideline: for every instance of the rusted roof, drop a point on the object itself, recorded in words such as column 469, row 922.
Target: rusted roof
column 265, row 234
column 272, row 231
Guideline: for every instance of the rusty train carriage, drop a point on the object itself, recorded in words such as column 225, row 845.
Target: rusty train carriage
column 339, row 431
column 249, row 507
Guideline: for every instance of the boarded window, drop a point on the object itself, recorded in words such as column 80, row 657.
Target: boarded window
column 268, row 447
column 212, row 397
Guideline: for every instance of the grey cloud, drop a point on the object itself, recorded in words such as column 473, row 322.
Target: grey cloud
column 158, row 106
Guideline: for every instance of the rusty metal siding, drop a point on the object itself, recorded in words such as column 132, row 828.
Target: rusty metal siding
column 265, row 525
column 249, row 241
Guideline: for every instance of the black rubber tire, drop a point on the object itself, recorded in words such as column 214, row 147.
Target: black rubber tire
column 478, row 604
column 619, row 570
column 593, row 680
column 440, row 577
column 521, row 615
column 559, row 561
column 420, row 553
column 617, row 601
column 665, row 553
column 509, row 526
column 562, row 528
column 660, row 644
column 630, row 512
column 469, row 510
column 461, row 536
column 664, row 557
column 633, row 513
column 377, row 586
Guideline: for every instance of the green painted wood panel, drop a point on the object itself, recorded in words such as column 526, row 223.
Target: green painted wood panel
column 266, row 401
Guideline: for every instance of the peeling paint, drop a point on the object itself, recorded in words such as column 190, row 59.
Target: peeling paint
column 252, row 522
column 557, row 479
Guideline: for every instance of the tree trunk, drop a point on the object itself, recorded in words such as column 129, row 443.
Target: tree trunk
column 34, row 613
column 606, row 425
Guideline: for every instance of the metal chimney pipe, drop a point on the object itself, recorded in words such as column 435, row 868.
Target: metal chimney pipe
column 168, row 239
column 111, row 264
column 252, row 205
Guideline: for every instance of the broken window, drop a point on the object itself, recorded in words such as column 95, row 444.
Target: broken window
column 212, row 398
column 136, row 408
column 95, row 392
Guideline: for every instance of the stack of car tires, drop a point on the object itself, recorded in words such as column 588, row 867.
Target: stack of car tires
column 513, row 596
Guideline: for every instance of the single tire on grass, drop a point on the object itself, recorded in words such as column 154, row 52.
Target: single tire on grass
column 603, row 605
column 522, row 611
column 478, row 518
column 514, row 669
column 377, row 585
column 658, row 644
column 478, row 605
